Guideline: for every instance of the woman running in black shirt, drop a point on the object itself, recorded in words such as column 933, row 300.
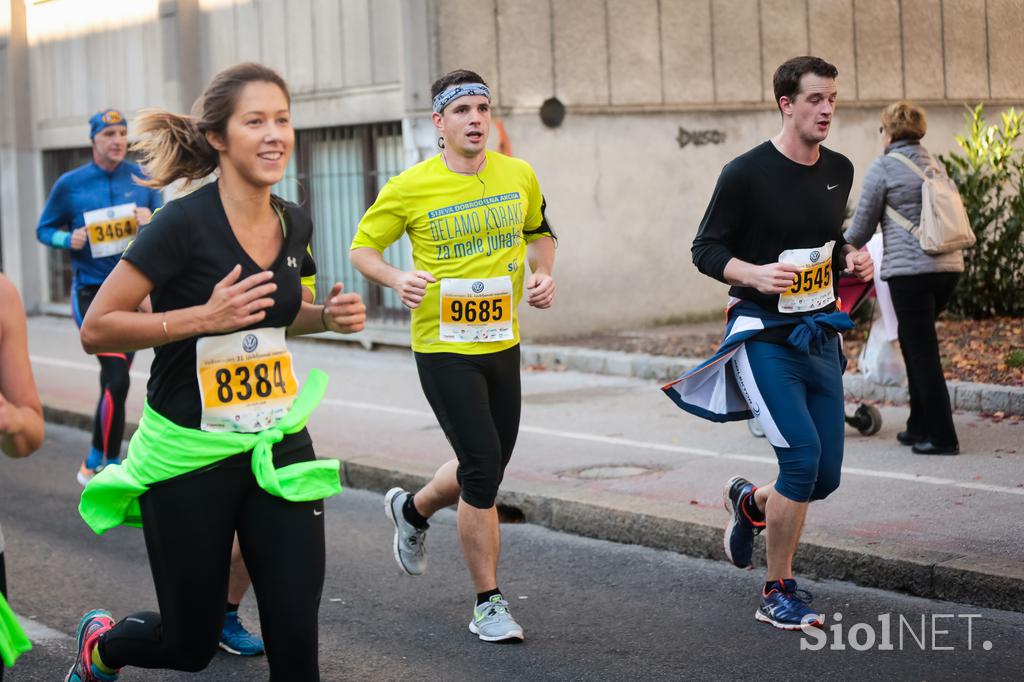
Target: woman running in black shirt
column 221, row 446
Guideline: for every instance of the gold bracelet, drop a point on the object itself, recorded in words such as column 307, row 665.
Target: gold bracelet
column 167, row 334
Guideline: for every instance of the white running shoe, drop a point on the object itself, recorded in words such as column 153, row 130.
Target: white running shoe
column 410, row 542
column 493, row 623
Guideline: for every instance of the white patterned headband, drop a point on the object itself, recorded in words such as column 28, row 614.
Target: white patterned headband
column 445, row 98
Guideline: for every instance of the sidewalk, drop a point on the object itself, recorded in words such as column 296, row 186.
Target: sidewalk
column 683, row 347
column 612, row 458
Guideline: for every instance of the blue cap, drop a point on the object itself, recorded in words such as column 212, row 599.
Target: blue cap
column 105, row 119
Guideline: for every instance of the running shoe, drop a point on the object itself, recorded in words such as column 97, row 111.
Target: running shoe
column 92, row 625
column 410, row 542
column 493, row 623
column 787, row 608
column 91, row 465
column 235, row 639
column 85, row 474
column 739, row 534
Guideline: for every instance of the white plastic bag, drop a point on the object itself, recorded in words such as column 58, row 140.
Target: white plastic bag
column 883, row 299
column 881, row 361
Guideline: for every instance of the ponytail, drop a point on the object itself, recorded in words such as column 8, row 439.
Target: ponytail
column 172, row 148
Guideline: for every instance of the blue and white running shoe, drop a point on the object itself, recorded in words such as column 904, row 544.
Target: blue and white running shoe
column 235, row 639
column 787, row 608
column 739, row 534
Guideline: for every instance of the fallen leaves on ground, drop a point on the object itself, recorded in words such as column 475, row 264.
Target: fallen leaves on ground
column 971, row 350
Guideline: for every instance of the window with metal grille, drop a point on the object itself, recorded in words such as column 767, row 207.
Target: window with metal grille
column 336, row 174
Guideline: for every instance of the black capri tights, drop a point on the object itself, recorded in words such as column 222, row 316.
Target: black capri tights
column 108, row 423
column 477, row 400
column 189, row 523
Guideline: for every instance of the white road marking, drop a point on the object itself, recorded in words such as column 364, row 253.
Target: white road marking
column 607, row 440
column 72, row 364
column 39, row 633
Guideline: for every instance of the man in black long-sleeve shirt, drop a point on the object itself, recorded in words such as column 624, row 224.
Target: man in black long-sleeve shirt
column 773, row 231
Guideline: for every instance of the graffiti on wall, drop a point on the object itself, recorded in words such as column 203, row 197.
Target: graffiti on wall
column 699, row 137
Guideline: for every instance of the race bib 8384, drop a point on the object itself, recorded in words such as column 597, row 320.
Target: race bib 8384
column 246, row 381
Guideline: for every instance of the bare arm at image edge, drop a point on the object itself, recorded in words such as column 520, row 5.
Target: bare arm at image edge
column 21, row 414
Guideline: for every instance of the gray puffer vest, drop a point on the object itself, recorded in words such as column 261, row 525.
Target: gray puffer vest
column 890, row 182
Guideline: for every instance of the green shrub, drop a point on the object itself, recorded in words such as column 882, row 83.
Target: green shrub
column 1015, row 358
column 990, row 176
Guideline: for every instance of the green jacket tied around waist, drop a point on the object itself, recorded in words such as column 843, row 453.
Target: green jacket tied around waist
column 13, row 641
column 160, row 450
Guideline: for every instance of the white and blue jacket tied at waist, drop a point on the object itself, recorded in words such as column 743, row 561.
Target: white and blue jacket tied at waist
column 711, row 390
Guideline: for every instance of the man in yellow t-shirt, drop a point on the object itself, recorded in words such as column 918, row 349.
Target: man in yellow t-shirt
column 474, row 217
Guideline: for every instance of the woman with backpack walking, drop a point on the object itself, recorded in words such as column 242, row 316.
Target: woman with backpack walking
column 921, row 270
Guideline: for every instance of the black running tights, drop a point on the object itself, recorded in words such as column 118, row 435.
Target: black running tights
column 477, row 400
column 188, row 524
column 108, row 423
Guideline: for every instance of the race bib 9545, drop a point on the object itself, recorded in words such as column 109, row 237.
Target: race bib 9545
column 812, row 288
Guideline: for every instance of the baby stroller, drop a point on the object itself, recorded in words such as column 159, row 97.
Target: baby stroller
column 853, row 294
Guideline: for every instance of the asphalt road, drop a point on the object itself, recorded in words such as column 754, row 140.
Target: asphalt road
column 591, row 610
column 942, row 526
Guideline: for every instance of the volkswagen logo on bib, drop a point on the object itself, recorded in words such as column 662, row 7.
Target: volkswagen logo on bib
column 815, row 255
column 249, row 343
column 478, row 287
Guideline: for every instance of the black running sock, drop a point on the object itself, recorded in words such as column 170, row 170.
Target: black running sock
column 769, row 586
column 750, row 506
column 231, row 608
column 412, row 515
column 484, row 597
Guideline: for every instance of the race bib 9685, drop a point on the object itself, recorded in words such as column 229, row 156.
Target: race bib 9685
column 476, row 310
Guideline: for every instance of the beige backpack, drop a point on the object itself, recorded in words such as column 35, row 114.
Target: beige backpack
column 944, row 225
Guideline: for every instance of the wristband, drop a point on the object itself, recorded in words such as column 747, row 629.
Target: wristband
column 323, row 318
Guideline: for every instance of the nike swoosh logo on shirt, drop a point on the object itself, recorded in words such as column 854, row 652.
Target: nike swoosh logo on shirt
column 317, row 513
column 830, row 187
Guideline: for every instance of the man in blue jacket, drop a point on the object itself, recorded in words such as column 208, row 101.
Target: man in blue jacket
column 95, row 211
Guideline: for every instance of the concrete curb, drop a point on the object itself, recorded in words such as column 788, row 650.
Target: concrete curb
column 966, row 396
column 979, row 581
column 952, row 577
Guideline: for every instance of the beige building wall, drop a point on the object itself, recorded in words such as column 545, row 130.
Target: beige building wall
column 624, row 195
column 341, row 58
column 638, row 78
column 346, row 61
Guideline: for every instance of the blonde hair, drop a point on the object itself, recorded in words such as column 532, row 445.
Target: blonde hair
column 174, row 146
column 904, row 121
